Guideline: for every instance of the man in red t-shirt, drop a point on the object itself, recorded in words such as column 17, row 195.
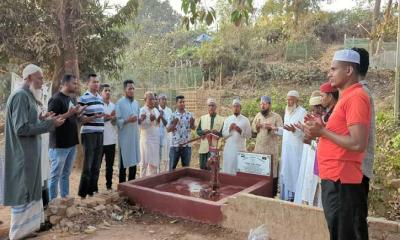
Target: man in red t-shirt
column 341, row 150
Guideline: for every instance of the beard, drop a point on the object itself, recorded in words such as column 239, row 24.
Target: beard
column 37, row 93
column 289, row 109
column 265, row 112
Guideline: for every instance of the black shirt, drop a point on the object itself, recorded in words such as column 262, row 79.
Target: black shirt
column 66, row 135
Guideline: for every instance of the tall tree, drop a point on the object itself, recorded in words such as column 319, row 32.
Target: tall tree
column 382, row 26
column 63, row 35
column 155, row 39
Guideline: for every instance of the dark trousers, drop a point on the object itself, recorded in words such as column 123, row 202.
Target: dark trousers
column 109, row 153
column 122, row 171
column 344, row 208
column 176, row 153
column 45, row 195
column 93, row 149
column 274, row 186
column 203, row 158
column 365, row 182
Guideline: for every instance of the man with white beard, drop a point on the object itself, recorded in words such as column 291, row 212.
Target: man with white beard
column 22, row 179
column 292, row 146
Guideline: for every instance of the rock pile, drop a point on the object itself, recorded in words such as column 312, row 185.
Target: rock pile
column 85, row 216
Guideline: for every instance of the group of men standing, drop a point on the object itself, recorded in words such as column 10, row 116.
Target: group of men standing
column 327, row 152
column 334, row 141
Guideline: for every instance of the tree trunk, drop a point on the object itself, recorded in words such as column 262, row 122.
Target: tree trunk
column 67, row 62
column 377, row 11
column 375, row 24
column 388, row 15
column 58, row 72
column 296, row 12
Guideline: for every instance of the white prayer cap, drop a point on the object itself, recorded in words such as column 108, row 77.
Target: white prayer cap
column 211, row 101
column 162, row 95
column 347, row 55
column 236, row 101
column 293, row 93
column 314, row 101
column 30, row 69
column 148, row 93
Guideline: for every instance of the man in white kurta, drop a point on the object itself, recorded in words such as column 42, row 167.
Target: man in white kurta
column 307, row 182
column 292, row 146
column 149, row 137
column 236, row 130
column 165, row 137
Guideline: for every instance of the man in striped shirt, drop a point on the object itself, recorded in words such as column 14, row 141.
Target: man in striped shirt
column 92, row 136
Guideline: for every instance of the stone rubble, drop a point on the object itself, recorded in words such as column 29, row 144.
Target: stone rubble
column 101, row 211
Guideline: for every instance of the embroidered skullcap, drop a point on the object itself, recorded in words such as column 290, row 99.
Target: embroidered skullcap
column 30, row 69
column 347, row 55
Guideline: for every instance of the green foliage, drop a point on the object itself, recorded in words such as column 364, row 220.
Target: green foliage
column 384, row 200
column 250, row 107
column 160, row 54
column 31, row 33
column 195, row 12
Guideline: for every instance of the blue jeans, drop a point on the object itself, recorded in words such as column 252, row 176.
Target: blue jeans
column 61, row 160
column 184, row 153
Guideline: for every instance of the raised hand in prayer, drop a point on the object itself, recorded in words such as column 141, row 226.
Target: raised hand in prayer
column 307, row 139
column 235, row 127
column 310, row 117
column 58, row 121
column 142, row 117
column 238, row 129
column 175, row 121
column 152, row 117
column 107, row 117
column 313, row 129
column 299, row 126
column 73, row 110
column 112, row 116
column 132, row 119
column 81, row 109
column 206, row 131
column 290, row 128
column 87, row 119
column 99, row 115
column 216, row 132
column 268, row 126
column 191, row 122
column 46, row 116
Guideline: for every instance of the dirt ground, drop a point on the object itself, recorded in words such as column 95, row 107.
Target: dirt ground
column 149, row 226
